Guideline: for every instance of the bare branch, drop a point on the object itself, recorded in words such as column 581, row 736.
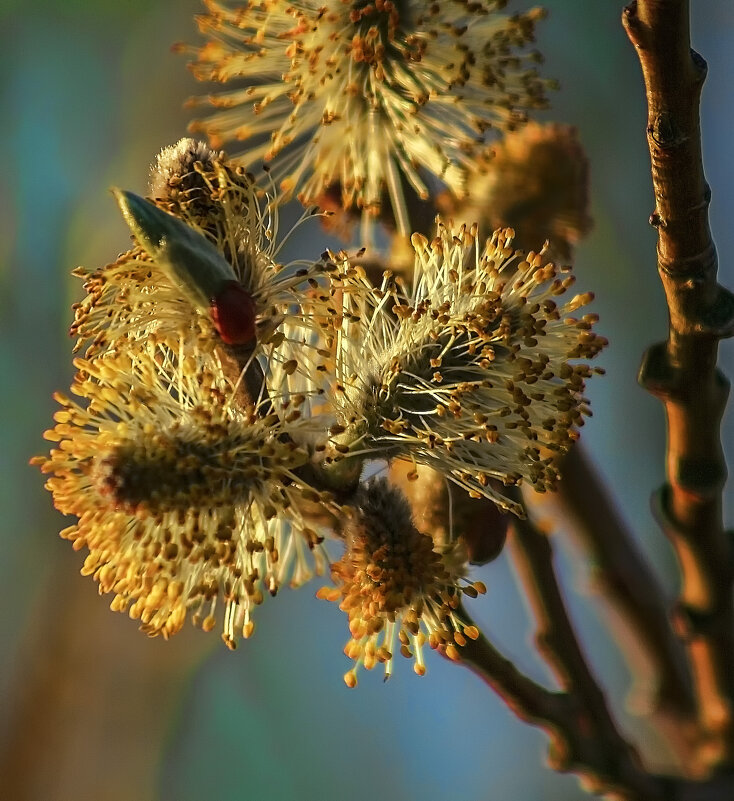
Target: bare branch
column 682, row 371
column 573, row 747
column 626, row 580
column 613, row 758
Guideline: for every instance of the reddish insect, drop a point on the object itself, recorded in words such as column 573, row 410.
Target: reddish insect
column 233, row 313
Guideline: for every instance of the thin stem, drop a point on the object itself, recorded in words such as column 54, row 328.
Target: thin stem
column 584, row 737
column 245, row 372
column 682, row 371
column 397, row 198
column 555, row 636
column 529, row 700
column 625, row 578
column 593, row 743
column 574, row 745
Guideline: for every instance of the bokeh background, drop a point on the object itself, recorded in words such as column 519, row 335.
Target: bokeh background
column 92, row 709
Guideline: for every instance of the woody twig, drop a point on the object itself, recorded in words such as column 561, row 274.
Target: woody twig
column 682, row 370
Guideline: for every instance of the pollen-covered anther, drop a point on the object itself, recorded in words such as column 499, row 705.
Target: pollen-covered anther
column 185, row 502
column 335, row 100
column 398, row 588
column 484, row 386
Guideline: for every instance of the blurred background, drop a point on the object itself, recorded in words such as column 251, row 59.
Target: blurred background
column 92, row 709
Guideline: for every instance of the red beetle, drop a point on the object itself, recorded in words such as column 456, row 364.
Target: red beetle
column 233, row 313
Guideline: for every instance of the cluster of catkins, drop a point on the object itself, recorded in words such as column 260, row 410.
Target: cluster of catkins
column 228, row 405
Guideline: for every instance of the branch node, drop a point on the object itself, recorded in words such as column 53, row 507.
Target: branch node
column 700, row 264
column 660, row 508
column 559, row 755
column 698, row 623
column 699, row 62
column 657, row 375
column 669, row 382
column 701, row 477
column 631, row 23
column 665, row 131
column 718, row 319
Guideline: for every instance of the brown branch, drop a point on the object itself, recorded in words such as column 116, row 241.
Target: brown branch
column 718, row 788
column 556, row 639
column 614, row 759
column 574, row 747
column 682, row 371
column 530, row 701
column 626, row 580
column 584, row 737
